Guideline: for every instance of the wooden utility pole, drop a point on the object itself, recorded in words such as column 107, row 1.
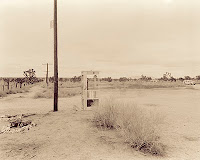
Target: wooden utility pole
column 47, row 73
column 55, row 59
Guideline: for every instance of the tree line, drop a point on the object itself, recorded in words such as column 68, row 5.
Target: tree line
column 166, row 77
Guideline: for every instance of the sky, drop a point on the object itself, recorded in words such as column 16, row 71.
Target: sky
column 116, row 37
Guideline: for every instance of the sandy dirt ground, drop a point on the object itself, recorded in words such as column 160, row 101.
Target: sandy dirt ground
column 70, row 134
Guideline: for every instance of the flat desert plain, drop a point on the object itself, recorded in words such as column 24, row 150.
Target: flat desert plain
column 71, row 134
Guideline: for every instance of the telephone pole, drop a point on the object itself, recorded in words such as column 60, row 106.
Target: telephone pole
column 47, row 78
column 55, row 59
column 47, row 73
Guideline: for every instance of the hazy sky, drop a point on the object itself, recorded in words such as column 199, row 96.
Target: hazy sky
column 116, row 37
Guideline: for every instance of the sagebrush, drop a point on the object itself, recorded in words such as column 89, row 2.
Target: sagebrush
column 139, row 128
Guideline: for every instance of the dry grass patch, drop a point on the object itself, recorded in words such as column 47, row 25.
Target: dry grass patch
column 14, row 91
column 62, row 93
column 105, row 115
column 2, row 94
column 141, row 85
column 139, row 128
column 39, row 95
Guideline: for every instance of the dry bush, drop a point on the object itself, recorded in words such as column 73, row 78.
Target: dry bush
column 140, row 84
column 2, row 94
column 150, row 85
column 14, row 91
column 62, row 93
column 105, row 115
column 139, row 128
column 70, row 92
column 66, row 84
column 69, row 84
column 26, row 89
column 46, row 93
column 11, row 91
column 39, row 95
column 17, row 90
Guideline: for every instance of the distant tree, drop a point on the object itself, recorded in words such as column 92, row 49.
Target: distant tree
column 7, row 80
column 172, row 79
column 20, row 80
column 51, row 79
column 30, row 76
column 187, row 78
column 61, row 79
column 197, row 77
column 115, row 79
column 145, row 78
column 181, row 79
column 75, row 79
column 108, row 79
column 167, row 77
column 123, row 79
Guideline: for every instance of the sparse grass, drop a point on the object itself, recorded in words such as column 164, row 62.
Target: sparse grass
column 39, row 95
column 70, row 92
column 150, row 85
column 105, row 115
column 119, row 85
column 14, row 91
column 62, row 92
column 2, row 94
column 17, row 90
column 11, row 91
column 141, row 85
column 139, row 128
column 67, row 84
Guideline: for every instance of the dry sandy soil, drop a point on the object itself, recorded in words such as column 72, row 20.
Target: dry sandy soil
column 70, row 134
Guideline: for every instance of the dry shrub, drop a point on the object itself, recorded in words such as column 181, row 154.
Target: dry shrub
column 26, row 89
column 48, row 93
column 14, row 91
column 139, row 128
column 62, row 93
column 69, row 84
column 70, row 92
column 11, row 92
column 105, row 115
column 66, row 84
column 150, row 85
column 39, row 95
column 140, row 84
column 2, row 94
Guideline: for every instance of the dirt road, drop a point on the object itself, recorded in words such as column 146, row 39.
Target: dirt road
column 70, row 134
column 66, row 134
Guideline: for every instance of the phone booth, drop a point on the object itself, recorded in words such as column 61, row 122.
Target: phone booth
column 89, row 89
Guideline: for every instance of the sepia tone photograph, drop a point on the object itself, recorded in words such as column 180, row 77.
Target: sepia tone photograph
column 100, row 79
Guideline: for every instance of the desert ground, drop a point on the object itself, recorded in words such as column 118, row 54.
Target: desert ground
column 71, row 134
